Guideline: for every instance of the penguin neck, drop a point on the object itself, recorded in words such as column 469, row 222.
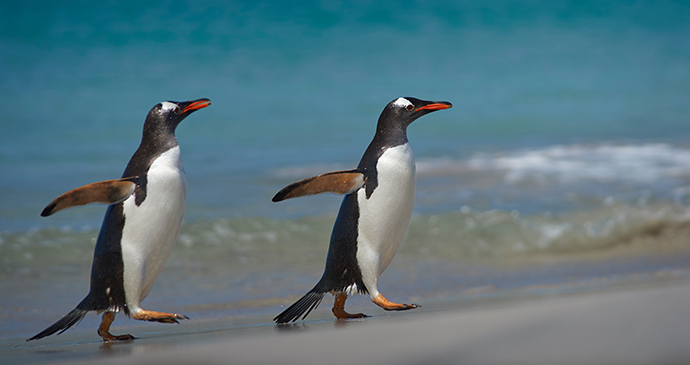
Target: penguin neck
column 390, row 134
column 387, row 136
column 154, row 142
column 158, row 137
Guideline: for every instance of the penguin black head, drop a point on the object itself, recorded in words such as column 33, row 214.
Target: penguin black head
column 401, row 112
column 166, row 116
column 163, row 119
column 406, row 110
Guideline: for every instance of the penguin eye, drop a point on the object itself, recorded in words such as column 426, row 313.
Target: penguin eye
column 176, row 110
column 409, row 107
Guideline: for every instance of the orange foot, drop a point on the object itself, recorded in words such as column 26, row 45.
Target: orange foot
column 104, row 329
column 339, row 308
column 390, row 306
column 151, row 316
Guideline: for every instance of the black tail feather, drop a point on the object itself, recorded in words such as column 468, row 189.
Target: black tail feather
column 63, row 324
column 300, row 308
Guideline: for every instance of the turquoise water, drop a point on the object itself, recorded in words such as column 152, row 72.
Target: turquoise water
column 569, row 134
column 302, row 85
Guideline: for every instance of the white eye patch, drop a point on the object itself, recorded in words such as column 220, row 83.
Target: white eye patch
column 167, row 106
column 402, row 103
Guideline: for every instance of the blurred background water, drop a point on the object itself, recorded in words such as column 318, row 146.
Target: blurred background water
column 569, row 136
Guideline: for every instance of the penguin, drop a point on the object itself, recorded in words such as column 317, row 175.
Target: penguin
column 373, row 216
column 140, row 225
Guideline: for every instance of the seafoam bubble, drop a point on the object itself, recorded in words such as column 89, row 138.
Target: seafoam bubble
column 642, row 163
column 547, row 233
column 639, row 163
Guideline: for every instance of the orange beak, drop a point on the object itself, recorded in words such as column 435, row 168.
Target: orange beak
column 200, row 104
column 436, row 106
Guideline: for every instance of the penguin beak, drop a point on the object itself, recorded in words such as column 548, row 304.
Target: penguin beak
column 196, row 105
column 440, row 105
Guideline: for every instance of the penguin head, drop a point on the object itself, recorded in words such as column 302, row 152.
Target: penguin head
column 401, row 112
column 166, row 116
column 406, row 110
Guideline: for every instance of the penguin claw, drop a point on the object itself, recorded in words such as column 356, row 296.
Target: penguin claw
column 104, row 329
column 339, row 308
column 161, row 317
column 344, row 315
column 170, row 320
column 356, row 316
column 404, row 307
column 390, row 306
column 110, row 338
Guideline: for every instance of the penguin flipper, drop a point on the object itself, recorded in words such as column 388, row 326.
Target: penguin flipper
column 106, row 192
column 63, row 324
column 300, row 308
column 339, row 182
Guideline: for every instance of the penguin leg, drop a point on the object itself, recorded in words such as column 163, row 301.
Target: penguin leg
column 162, row 317
column 339, row 308
column 390, row 306
column 104, row 329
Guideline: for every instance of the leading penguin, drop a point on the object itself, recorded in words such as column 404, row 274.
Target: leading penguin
column 373, row 216
column 140, row 225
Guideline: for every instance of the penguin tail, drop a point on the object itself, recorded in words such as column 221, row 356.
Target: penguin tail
column 63, row 324
column 300, row 308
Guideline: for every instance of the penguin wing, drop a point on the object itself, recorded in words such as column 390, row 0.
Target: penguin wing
column 339, row 182
column 106, row 192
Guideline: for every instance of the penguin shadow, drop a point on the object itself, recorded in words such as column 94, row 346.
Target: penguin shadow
column 349, row 322
column 313, row 325
column 292, row 327
column 117, row 348
column 131, row 347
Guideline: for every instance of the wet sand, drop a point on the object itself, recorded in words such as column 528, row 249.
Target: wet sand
column 635, row 325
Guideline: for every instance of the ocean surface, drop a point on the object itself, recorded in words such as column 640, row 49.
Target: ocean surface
column 563, row 166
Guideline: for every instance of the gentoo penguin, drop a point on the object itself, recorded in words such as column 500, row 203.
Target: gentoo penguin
column 373, row 216
column 140, row 225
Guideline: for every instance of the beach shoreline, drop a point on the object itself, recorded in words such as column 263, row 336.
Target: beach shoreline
column 639, row 324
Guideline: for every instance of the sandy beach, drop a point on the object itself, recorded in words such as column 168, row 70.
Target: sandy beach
column 635, row 325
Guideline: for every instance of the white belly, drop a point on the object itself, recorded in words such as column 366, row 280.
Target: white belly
column 151, row 229
column 384, row 217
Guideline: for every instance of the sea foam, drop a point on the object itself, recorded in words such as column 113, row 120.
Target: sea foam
column 643, row 163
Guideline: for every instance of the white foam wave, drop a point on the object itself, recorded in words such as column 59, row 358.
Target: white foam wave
column 636, row 163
